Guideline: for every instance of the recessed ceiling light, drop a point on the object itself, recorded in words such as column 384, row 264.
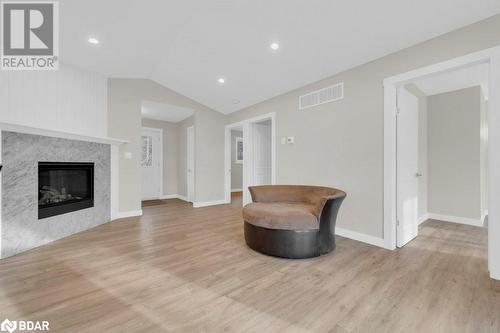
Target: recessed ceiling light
column 93, row 40
column 274, row 46
column 221, row 80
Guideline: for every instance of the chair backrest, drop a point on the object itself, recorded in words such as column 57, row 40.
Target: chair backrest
column 291, row 193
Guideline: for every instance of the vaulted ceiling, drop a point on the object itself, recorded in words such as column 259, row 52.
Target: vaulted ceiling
column 187, row 45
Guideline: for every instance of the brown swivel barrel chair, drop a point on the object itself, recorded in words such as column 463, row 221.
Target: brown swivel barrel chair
column 292, row 221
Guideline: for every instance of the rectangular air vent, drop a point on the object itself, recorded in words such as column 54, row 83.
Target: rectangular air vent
column 322, row 96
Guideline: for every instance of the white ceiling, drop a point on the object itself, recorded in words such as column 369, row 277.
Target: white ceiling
column 187, row 45
column 468, row 77
column 164, row 112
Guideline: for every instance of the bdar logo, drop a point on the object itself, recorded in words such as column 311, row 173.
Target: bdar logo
column 24, row 325
column 8, row 326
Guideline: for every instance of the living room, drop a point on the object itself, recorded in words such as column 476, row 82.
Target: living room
column 250, row 166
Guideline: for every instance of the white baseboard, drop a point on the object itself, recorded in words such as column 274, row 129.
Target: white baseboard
column 131, row 213
column 237, row 190
column 494, row 274
column 456, row 219
column 182, row 197
column 152, row 198
column 483, row 217
column 169, row 196
column 357, row 236
column 173, row 196
column 209, row 203
column 423, row 218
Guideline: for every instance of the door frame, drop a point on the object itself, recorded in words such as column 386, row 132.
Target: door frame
column 228, row 165
column 492, row 57
column 160, row 131
column 247, row 158
column 190, row 198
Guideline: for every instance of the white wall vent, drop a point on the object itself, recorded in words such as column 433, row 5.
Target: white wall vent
column 322, row 96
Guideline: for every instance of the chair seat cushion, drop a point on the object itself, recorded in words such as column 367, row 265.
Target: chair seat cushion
column 285, row 216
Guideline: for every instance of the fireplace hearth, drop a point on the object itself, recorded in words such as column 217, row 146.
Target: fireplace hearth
column 64, row 187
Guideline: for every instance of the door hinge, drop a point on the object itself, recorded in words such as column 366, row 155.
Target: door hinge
column 397, row 222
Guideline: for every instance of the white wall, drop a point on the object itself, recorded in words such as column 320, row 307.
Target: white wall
column 124, row 122
column 236, row 168
column 170, row 154
column 341, row 144
column 209, row 156
column 454, row 123
column 68, row 100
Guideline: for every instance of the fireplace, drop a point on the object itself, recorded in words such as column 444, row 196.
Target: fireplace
column 64, row 187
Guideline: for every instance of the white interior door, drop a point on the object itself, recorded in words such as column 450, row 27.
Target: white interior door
column 262, row 162
column 151, row 163
column 407, row 167
column 190, row 164
column 259, row 151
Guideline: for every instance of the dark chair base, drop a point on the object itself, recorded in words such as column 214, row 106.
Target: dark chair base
column 292, row 244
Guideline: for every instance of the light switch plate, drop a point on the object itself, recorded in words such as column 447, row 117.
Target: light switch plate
column 127, row 155
column 283, row 140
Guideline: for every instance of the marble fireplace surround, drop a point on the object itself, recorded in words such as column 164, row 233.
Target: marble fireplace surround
column 20, row 153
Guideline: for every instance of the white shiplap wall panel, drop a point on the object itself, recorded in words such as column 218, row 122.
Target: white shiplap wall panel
column 68, row 100
column 4, row 93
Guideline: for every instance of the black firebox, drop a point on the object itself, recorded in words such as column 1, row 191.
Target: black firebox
column 64, row 187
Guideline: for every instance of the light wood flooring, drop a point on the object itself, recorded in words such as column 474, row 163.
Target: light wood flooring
column 179, row 269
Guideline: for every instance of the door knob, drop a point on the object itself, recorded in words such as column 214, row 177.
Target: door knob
column 418, row 175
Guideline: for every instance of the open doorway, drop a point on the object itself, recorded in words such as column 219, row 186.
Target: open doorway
column 236, row 166
column 261, row 146
column 250, row 148
column 151, row 162
column 442, row 143
column 402, row 173
column 163, row 150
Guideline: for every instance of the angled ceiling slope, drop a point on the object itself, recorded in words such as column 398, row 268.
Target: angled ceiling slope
column 187, row 45
column 164, row 112
column 472, row 76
